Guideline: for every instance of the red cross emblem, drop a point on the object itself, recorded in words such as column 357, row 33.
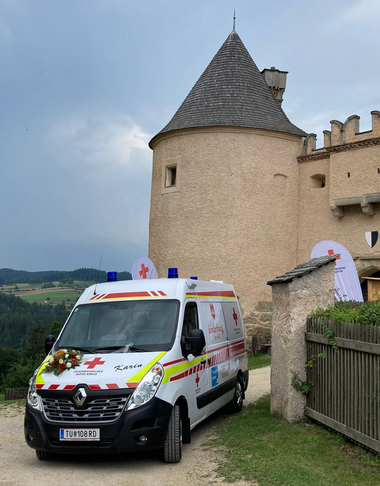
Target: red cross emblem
column 144, row 270
column 235, row 317
column 331, row 252
column 95, row 362
column 197, row 380
column 212, row 310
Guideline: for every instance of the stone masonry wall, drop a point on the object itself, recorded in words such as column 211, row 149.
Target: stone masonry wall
column 258, row 326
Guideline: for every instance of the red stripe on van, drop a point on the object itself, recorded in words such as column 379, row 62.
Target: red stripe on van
column 38, row 386
column 53, row 387
column 132, row 384
column 69, row 387
column 121, row 295
column 112, row 386
column 174, row 362
column 94, row 387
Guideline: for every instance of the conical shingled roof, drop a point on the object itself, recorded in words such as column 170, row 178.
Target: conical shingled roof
column 231, row 92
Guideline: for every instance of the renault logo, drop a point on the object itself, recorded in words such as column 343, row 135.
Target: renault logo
column 80, row 397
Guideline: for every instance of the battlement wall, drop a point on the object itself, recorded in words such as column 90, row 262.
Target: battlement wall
column 341, row 134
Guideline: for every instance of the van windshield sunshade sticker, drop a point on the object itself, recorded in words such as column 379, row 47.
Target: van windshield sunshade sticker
column 128, row 295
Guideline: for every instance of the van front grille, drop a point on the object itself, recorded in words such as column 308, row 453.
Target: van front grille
column 105, row 409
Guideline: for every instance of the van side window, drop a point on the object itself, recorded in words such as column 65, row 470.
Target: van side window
column 190, row 319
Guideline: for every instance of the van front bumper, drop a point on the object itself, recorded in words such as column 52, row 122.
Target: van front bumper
column 124, row 434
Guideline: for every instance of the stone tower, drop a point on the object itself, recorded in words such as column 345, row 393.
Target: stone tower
column 224, row 201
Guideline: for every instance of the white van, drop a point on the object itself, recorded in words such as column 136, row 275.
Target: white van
column 137, row 366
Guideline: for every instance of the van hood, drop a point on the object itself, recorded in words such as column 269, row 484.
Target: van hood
column 109, row 371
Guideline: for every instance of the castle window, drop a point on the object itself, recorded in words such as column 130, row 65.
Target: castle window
column 348, row 174
column 170, row 175
column 318, row 181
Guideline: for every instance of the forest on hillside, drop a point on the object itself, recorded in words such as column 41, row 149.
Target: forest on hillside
column 23, row 329
column 9, row 276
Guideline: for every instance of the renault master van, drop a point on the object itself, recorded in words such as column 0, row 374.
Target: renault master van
column 137, row 366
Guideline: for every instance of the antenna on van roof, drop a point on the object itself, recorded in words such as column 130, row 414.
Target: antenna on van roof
column 97, row 277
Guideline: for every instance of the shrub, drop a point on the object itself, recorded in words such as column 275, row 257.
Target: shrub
column 351, row 311
column 20, row 373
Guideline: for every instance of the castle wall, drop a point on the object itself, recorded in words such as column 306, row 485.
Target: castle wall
column 233, row 214
column 349, row 204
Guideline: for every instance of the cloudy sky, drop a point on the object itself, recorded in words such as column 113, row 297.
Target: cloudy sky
column 84, row 85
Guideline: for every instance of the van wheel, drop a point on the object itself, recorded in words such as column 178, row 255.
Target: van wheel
column 236, row 404
column 43, row 455
column 173, row 441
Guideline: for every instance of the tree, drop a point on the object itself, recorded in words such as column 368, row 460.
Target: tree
column 36, row 343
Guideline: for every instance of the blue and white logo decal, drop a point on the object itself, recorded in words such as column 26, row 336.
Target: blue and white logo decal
column 214, row 376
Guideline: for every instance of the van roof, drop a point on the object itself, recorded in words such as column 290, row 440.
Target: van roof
column 164, row 288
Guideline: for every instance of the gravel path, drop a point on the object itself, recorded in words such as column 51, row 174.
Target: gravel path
column 19, row 465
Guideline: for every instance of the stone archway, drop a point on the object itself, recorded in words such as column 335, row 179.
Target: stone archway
column 367, row 268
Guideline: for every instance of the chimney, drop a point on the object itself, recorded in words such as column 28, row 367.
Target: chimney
column 276, row 80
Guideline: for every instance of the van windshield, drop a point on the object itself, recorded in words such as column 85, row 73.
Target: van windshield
column 121, row 327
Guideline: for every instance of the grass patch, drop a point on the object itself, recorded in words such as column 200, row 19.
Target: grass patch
column 258, row 360
column 21, row 401
column 262, row 447
column 55, row 296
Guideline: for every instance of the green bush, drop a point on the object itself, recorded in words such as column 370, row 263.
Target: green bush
column 351, row 311
column 20, row 373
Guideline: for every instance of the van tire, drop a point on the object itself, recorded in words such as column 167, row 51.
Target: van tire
column 236, row 404
column 173, row 440
column 43, row 455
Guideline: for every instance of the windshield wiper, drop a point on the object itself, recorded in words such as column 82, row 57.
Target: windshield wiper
column 127, row 348
column 79, row 348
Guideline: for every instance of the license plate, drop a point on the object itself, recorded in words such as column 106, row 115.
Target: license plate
column 79, row 434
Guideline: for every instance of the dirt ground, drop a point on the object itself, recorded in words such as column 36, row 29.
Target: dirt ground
column 19, row 464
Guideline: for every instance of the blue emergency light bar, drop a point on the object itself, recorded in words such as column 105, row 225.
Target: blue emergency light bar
column 173, row 272
column 111, row 276
column 194, row 278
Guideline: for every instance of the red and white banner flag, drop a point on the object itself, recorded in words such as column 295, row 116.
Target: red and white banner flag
column 347, row 284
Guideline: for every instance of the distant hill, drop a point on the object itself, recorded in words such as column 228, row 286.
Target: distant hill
column 9, row 276
column 18, row 318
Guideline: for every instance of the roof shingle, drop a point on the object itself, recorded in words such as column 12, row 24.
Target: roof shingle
column 231, row 92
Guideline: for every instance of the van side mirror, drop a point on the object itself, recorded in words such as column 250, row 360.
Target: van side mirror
column 49, row 343
column 193, row 344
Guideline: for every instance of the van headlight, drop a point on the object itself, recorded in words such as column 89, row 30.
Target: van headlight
column 33, row 399
column 147, row 387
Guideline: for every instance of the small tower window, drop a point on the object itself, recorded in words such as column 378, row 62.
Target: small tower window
column 318, row 181
column 170, row 175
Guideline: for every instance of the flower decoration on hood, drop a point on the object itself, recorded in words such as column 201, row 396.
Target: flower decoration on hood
column 63, row 359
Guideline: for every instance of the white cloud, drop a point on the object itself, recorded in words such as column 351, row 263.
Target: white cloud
column 110, row 142
column 102, row 175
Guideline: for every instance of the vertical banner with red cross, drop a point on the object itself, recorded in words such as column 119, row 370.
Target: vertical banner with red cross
column 347, row 284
